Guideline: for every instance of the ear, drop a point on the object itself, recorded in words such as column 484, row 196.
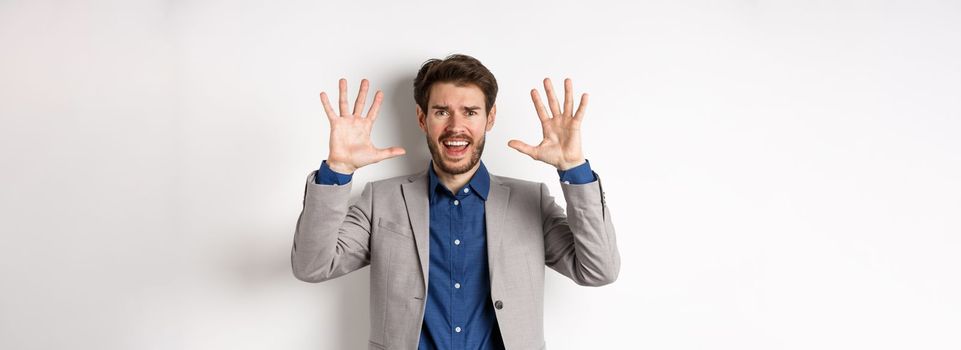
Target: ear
column 422, row 119
column 490, row 117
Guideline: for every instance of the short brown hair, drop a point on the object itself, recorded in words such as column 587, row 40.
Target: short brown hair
column 458, row 69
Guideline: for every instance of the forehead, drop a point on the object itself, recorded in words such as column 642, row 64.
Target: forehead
column 450, row 94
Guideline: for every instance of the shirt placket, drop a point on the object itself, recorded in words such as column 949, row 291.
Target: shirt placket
column 457, row 272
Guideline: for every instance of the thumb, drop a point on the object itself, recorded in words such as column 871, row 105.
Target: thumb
column 522, row 147
column 390, row 152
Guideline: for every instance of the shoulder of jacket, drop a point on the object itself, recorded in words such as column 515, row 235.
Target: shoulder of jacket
column 515, row 182
column 398, row 180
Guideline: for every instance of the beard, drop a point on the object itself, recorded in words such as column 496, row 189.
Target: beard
column 437, row 155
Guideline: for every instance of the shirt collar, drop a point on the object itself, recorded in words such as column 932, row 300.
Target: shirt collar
column 480, row 183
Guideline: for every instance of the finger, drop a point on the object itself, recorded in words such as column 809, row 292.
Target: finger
column 375, row 106
column 327, row 108
column 361, row 97
column 568, row 96
column 343, row 97
column 538, row 106
column 581, row 108
column 390, row 152
column 551, row 99
column 522, row 147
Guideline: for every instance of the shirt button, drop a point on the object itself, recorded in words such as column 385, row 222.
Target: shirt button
column 466, row 190
column 456, row 202
column 457, row 285
column 567, row 182
column 457, row 329
column 498, row 305
column 456, row 242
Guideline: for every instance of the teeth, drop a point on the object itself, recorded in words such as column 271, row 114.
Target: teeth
column 456, row 143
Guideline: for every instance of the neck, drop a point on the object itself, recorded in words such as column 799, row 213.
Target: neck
column 455, row 182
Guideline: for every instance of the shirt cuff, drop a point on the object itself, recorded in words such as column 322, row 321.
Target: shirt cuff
column 578, row 175
column 326, row 176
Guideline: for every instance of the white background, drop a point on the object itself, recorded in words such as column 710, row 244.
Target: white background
column 782, row 175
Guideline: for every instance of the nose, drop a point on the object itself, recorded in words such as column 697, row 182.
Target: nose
column 457, row 123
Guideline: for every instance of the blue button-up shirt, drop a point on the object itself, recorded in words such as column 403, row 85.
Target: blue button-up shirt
column 459, row 313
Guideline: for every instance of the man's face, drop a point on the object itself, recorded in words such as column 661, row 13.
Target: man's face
column 455, row 123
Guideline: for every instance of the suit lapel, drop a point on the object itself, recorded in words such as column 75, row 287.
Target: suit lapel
column 418, row 212
column 415, row 198
column 495, row 210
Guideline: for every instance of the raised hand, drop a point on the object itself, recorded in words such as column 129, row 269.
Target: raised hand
column 350, row 145
column 561, row 146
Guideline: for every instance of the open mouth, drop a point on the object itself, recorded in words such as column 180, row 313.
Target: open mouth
column 456, row 147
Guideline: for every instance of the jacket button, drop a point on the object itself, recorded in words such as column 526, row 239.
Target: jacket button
column 498, row 305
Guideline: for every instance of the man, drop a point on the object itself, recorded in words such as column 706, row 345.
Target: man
column 457, row 254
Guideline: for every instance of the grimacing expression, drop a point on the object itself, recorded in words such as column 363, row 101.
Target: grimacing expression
column 455, row 123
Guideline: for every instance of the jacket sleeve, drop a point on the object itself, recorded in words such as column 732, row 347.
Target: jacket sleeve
column 581, row 244
column 331, row 238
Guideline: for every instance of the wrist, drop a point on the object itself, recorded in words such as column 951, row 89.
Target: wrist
column 340, row 167
column 564, row 166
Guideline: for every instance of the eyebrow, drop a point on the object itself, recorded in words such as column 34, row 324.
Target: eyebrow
column 469, row 108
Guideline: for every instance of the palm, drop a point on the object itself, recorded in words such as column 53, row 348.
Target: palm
column 561, row 143
column 561, row 146
column 350, row 144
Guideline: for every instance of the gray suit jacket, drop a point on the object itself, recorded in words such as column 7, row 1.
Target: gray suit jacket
column 388, row 230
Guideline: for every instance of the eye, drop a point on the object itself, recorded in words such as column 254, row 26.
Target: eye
column 471, row 113
column 440, row 113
